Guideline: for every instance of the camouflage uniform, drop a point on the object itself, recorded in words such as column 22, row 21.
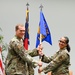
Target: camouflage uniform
column 18, row 59
column 59, row 63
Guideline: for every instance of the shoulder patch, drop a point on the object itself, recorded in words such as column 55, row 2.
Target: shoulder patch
column 19, row 46
column 61, row 58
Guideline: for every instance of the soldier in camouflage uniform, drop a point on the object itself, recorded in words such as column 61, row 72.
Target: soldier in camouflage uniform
column 19, row 61
column 59, row 62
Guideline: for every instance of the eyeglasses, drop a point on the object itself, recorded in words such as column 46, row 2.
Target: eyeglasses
column 62, row 41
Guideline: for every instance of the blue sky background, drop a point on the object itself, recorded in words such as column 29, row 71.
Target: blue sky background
column 59, row 14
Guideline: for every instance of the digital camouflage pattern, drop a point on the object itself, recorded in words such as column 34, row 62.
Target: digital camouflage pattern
column 19, row 60
column 58, row 64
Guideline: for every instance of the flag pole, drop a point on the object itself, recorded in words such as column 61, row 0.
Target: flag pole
column 27, row 5
column 26, row 31
column 40, row 33
column 27, row 18
column 40, row 57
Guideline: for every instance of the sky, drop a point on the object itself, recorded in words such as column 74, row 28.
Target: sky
column 59, row 14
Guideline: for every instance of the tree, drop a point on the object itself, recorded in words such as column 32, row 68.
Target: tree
column 3, row 46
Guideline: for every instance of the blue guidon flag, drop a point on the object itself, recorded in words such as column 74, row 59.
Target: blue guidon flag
column 43, row 30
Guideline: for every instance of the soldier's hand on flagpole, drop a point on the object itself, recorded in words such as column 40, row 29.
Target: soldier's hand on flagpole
column 40, row 70
column 40, row 63
column 40, row 53
column 39, row 47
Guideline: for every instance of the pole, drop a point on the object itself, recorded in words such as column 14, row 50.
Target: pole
column 40, row 57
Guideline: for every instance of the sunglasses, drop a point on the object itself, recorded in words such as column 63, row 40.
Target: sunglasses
column 62, row 41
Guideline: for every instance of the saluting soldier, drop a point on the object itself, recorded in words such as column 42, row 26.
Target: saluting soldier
column 18, row 58
column 58, row 63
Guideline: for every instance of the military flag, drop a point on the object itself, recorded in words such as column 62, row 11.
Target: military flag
column 43, row 30
column 26, row 36
column 1, row 64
